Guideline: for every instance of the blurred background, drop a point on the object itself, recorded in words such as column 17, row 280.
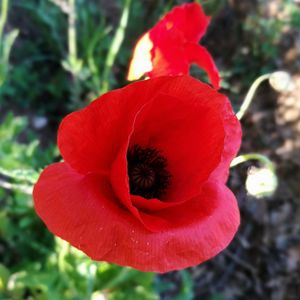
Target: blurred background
column 57, row 55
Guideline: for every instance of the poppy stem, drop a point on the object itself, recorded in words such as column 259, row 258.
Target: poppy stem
column 6, row 41
column 65, row 249
column 249, row 97
column 72, row 30
column 253, row 156
column 3, row 16
column 115, row 46
column 73, row 64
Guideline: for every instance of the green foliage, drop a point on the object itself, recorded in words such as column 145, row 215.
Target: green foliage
column 186, row 292
column 217, row 297
column 43, row 25
column 266, row 35
column 68, row 274
column 74, row 276
column 6, row 42
column 20, row 158
column 35, row 265
column 19, row 148
column 258, row 42
column 294, row 14
column 5, row 48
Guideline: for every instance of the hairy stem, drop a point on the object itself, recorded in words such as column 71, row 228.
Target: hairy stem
column 72, row 49
column 249, row 97
column 72, row 30
column 115, row 46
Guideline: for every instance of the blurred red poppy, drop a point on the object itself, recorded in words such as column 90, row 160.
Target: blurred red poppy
column 171, row 46
column 143, row 178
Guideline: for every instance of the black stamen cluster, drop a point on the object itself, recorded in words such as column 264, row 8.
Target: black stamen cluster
column 147, row 171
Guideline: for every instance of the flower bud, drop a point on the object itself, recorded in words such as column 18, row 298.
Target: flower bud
column 281, row 81
column 261, row 182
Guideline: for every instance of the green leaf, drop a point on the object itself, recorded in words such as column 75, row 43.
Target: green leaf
column 27, row 175
column 4, row 276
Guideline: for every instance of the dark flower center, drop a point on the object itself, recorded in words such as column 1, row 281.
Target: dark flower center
column 147, row 171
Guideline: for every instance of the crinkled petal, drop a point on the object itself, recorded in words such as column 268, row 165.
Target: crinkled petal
column 168, row 54
column 162, row 50
column 120, row 184
column 199, row 55
column 188, row 128
column 141, row 62
column 79, row 208
column 232, row 142
column 189, row 19
column 192, row 154
column 90, row 139
column 188, row 132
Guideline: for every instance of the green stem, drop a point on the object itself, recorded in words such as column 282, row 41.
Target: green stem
column 72, row 49
column 250, row 95
column 3, row 16
column 62, row 266
column 26, row 189
column 115, row 46
column 91, row 280
column 72, row 36
column 253, row 156
column 122, row 276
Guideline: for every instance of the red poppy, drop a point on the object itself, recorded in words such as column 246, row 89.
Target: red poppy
column 143, row 178
column 171, row 46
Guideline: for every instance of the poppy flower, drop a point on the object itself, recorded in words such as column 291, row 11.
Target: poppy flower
column 143, row 178
column 171, row 46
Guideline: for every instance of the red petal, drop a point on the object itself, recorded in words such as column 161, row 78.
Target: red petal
column 141, row 62
column 153, row 214
column 120, row 184
column 192, row 154
column 168, row 54
column 152, row 205
column 81, row 210
column 199, row 55
column 161, row 51
column 232, row 142
column 90, row 139
column 190, row 133
column 189, row 19
column 188, row 129
column 78, row 208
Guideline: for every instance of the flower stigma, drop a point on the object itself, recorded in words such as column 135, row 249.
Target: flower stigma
column 147, row 172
